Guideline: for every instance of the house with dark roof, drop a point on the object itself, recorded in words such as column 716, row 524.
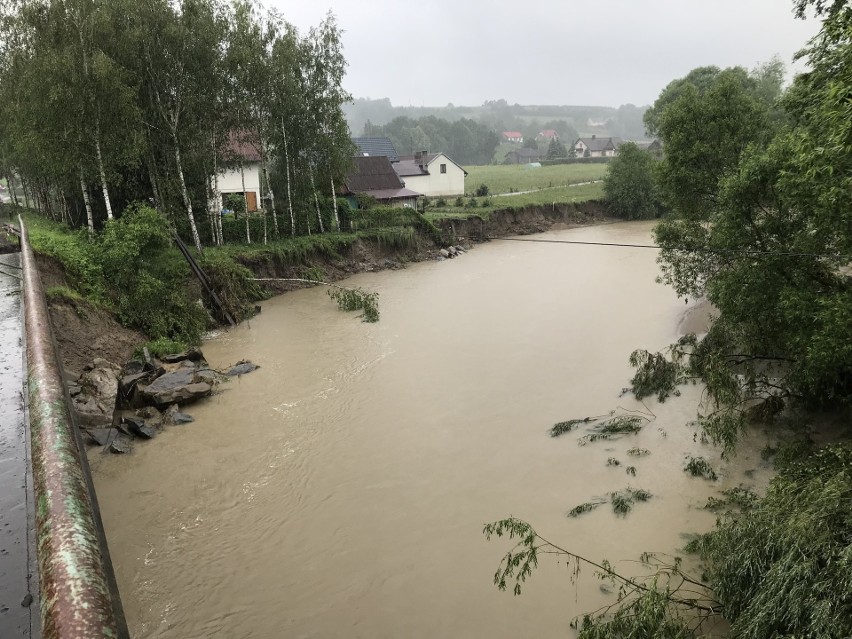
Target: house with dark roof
column 595, row 147
column 513, row 136
column 655, row 147
column 374, row 176
column 241, row 155
column 432, row 174
column 369, row 147
column 523, row 156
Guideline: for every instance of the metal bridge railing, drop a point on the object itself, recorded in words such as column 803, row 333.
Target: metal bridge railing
column 79, row 596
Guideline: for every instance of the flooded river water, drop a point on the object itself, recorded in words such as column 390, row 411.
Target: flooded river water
column 341, row 490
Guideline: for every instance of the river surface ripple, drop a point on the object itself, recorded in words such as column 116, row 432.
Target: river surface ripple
column 341, row 490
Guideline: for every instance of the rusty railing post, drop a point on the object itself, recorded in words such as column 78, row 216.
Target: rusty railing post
column 79, row 598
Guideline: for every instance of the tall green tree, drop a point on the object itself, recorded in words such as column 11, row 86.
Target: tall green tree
column 556, row 150
column 761, row 228
column 630, row 190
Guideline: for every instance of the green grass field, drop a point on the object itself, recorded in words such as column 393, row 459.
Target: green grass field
column 518, row 177
column 547, row 197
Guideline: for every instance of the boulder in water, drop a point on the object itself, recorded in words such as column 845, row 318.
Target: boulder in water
column 95, row 402
column 100, row 436
column 241, row 368
column 178, row 387
column 173, row 416
column 121, row 444
column 192, row 355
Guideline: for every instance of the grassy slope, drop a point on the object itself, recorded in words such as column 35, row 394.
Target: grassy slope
column 504, row 178
column 546, row 197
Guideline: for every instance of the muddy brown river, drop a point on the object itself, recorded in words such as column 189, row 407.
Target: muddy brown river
column 341, row 490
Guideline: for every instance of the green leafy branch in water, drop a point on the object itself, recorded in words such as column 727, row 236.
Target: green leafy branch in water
column 561, row 428
column 615, row 428
column 700, row 467
column 676, row 598
column 348, row 299
column 622, row 501
column 737, row 386
column 609, row 426
column 354, row 299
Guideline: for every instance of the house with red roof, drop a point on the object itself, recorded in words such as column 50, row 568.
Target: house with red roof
column 547, row 134
column 513, row 136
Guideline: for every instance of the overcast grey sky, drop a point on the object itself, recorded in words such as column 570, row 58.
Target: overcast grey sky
column 593, row 52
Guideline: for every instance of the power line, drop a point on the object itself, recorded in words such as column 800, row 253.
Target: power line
column 655, row 246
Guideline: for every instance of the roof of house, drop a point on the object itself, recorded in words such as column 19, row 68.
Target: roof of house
column 372, row 173
column 241, row 145
column 526, row 153
column 648, row 146
column 409, row 165
column 600, row 144
column 548, row 133
column 369, row 147
column 513, row 134
column 393, row 194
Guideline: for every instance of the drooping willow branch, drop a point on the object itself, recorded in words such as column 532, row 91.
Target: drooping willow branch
column 348, row 299
column 519, row 563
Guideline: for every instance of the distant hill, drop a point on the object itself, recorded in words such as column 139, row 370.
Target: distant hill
column 570, row 120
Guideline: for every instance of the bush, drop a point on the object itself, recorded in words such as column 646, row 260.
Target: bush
column 459, row 203
column 629, row 187
column 145, row 278
column 366, row 201
column 482, row 190
column 782, row 567
column 235, row 202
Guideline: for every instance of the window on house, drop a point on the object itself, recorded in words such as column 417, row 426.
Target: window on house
column 443, row 168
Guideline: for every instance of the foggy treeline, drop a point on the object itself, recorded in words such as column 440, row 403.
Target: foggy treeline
column 365, row 115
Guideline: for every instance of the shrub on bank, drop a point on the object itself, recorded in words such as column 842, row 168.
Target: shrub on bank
column 132, row 269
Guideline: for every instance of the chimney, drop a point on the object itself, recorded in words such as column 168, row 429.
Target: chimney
column 420, row 157
column 594, row 136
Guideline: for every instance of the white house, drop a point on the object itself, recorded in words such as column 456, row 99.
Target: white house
column 230, row 180
column 431, row 174
column 597, row 147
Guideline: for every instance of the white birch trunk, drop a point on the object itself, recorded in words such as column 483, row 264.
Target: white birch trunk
column 217, row 197
column 104, row 186
column 208, row 191
column 26, row 196
column 316, row 198
column 287, row 171
column 245, row 200
column 185, row 194
column 12, row 190
column 152, row 176
column 269, row 191
column 66, row 213
column 90, row 219
column 334, row 203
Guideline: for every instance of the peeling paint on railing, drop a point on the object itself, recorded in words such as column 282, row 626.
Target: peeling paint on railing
column 79, row 598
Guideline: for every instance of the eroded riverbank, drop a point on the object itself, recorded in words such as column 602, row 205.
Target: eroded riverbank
column 341, row 489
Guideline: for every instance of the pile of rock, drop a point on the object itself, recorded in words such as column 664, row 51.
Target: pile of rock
column 116, row 405
column 450, row 252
